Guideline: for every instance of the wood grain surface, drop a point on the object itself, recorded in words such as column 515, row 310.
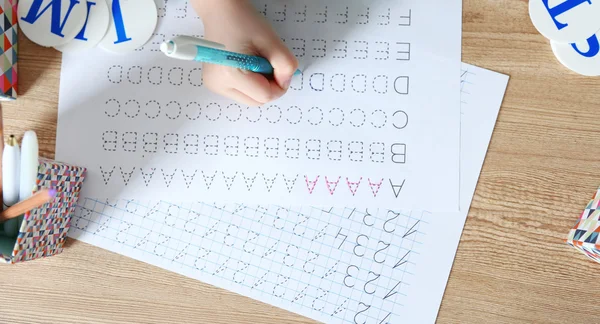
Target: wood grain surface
column 542, row 167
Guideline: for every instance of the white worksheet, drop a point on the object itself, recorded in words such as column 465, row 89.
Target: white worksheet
column 335, row 265
column 373, row 120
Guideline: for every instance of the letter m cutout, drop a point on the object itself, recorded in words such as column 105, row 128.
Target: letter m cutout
column 56, row 25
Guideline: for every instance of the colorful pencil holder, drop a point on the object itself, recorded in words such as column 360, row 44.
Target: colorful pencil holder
column 8, row 50
column 43, row 231
column 584, row 236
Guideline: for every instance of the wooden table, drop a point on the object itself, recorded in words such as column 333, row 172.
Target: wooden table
column 512, row 266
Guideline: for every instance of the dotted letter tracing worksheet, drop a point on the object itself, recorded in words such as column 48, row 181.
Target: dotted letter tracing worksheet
column 372, row 120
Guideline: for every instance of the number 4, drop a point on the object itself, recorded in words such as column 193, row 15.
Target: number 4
column 345, row 237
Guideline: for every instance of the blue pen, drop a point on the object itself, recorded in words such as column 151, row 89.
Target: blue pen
column 194, row 49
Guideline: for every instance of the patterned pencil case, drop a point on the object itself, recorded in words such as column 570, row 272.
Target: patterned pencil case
column 43, row 231
column 585, row 235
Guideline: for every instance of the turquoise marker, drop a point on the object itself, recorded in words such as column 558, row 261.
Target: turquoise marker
column 199, row 50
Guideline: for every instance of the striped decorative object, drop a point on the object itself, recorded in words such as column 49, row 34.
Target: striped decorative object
column 585, row 235
column 44, row 230
column 8, row 50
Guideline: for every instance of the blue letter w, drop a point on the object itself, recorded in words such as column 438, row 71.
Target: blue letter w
column 56, row 26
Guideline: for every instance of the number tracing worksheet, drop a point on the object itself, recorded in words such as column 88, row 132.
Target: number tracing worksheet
column 335, row 265
column 373, row 120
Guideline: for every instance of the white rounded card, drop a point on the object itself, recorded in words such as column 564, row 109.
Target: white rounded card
column 51, row 22
column 94, row 29
column 582, row 57
column 565, row 21
column 131, row 25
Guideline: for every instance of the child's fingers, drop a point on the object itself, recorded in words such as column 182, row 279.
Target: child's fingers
column 219, row 88
column 281, row 58
column 235, row 95
column 238, row 96
column 225, row 81
column 251, row 88
column 256, row 86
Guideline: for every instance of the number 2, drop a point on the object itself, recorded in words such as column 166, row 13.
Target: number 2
column 361, row 311
column 370, row 282
column 386, row 245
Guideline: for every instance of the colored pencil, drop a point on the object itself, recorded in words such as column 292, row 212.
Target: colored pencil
column 38, row 199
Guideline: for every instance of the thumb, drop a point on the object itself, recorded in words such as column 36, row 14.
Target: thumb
column 282, row 59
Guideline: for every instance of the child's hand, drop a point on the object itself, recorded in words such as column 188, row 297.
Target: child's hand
column 237, row 25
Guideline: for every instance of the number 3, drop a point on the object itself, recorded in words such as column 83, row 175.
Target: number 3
column 358, row 245
column 349, row 275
